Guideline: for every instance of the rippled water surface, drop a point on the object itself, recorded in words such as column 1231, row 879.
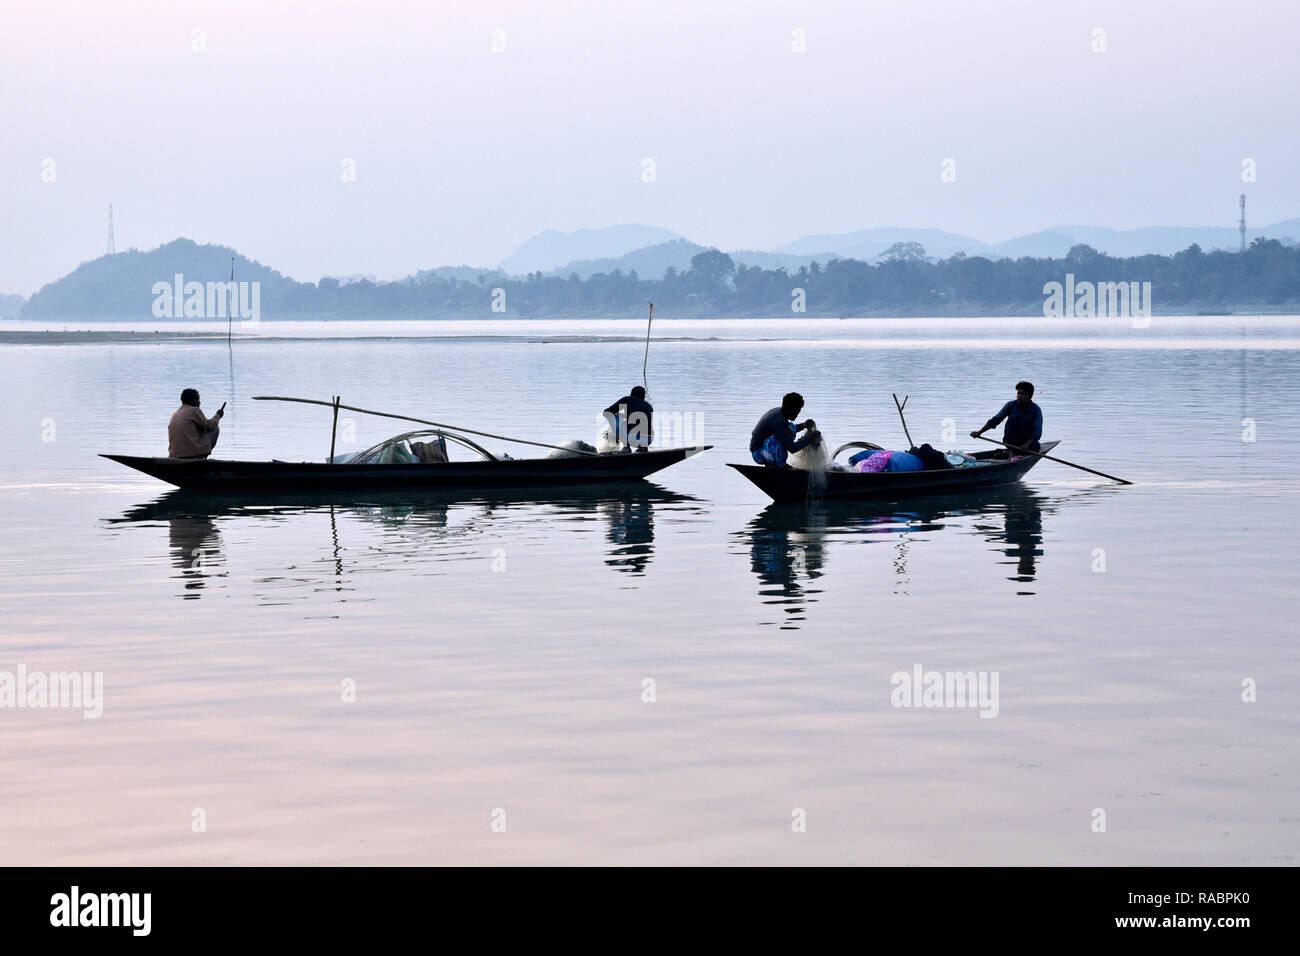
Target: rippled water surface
column 501, row 646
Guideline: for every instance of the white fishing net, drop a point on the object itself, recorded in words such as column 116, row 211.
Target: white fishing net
column 606, row 441
column 814, row 459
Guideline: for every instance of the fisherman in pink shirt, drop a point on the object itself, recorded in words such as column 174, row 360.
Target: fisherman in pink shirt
column 190, row 434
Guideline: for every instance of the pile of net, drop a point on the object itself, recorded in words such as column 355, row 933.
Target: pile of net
column 816, row 460
column 573, row 449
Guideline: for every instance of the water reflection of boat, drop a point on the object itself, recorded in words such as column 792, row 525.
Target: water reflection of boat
column 193, row 519
column 789, row 544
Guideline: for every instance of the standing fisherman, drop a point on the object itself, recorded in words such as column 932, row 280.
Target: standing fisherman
column 1024, row 420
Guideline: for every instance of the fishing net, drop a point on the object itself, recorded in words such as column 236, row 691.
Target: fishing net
column 815, row 460
column 607, row 442
column 573, row 449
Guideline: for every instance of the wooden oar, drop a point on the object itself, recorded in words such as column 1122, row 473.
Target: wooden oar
column 423, row 421
column 1059, row 461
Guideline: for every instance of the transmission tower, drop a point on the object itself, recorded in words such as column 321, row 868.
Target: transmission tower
column 1242, row 223
column 112, row 246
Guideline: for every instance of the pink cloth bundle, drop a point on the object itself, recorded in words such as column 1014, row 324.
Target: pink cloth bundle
column 877, row 462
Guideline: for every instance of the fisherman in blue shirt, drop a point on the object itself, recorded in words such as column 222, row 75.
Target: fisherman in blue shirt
column 773, row 438
column 1024, row 420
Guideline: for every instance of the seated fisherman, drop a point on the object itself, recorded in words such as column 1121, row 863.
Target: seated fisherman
column 191, row 434
column 1024, row 420
column 773, row 437
column 631, row 419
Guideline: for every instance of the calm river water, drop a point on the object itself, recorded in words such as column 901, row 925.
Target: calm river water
column 504, row 652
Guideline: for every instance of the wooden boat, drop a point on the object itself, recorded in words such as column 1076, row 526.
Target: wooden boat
column 215, row 475
column 390, row 465
column 792, row 484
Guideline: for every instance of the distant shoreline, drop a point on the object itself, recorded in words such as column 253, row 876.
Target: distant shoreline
column 384, row 331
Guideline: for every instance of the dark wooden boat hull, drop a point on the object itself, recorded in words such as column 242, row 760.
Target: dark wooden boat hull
column 791, row 484
column 279, row 477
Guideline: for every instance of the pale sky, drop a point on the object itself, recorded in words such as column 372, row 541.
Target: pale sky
column 462, row 153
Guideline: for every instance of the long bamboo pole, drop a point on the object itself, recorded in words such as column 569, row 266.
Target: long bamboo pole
column 422, row 421
column 1059, row 461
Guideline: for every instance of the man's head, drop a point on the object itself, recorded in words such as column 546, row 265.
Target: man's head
column 638, row 392
column 792, row 405
column 1024, row 392
column 190, row 396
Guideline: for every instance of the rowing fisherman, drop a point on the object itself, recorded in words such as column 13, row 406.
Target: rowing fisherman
column 773, row 437
column 631, row 419
column 191, row 434
column 1024, row 420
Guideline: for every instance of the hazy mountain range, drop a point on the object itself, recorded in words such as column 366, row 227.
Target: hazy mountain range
column 648, row 251
column 183, row 279
column 620, row 248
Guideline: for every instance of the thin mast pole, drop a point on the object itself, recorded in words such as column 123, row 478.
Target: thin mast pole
column 230, row 314
column 646, row 360
column 335, row 429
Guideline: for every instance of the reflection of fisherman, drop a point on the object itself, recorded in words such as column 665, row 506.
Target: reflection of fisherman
column 631, row 419
column 1024, row 536
column 787, row 552
column 631, row 534
column 191, row 434
column 195, row 544
column 773, row 437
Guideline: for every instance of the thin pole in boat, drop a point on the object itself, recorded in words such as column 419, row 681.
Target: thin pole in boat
column 646, row 360
column 230, row 315
column 910, row 443
column 335, row 429
column 1060, row 461
column 422, row 421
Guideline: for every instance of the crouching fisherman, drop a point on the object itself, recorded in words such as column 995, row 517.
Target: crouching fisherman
column 773, row 438
column 190, row 433
column 631, row 419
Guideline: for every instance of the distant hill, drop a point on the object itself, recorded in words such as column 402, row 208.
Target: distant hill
column 649, row 263
column 121, row 284
column 868, row 244
column 551, row 249
column 1158, row 240
column 10, row 306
